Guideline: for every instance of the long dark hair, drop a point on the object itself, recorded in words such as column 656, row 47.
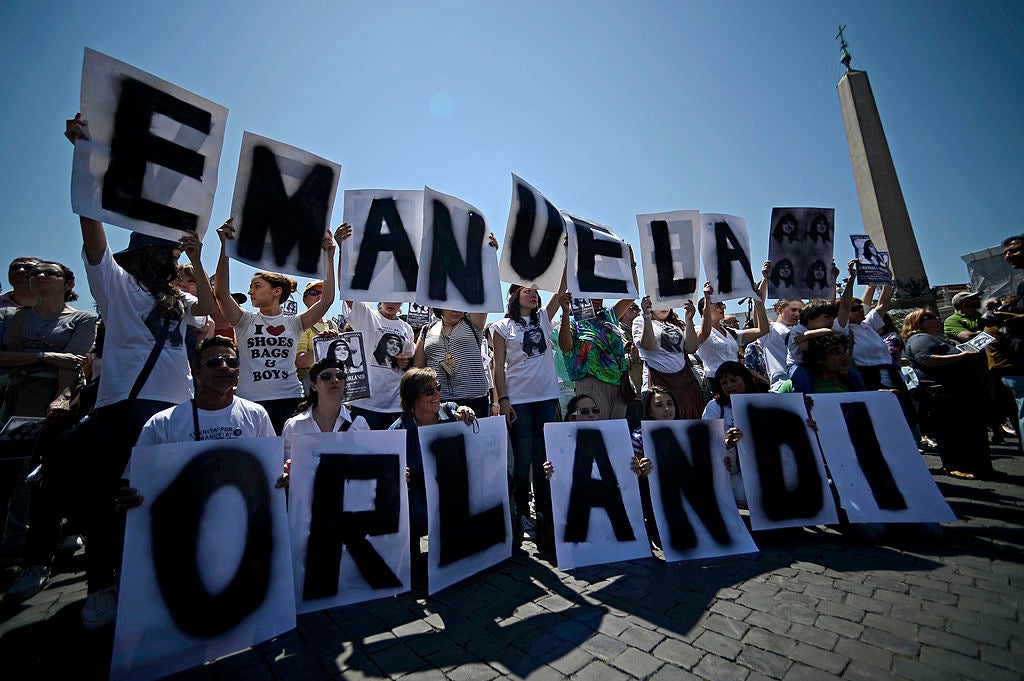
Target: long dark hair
column 154, row 268
column 515, row 310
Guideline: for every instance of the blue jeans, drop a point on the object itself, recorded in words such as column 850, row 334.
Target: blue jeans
column 527, row 435
column 1016, row 386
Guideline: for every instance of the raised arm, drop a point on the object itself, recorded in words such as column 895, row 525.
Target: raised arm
column 884, row 299
column 343, row 232
column 565, row 325
column 690, row 342
column 94, row 239
column 846, row 300
column 206, row 304
column 705, row 320
column 318, row 310
column 647, row 340
column 222, row 290
column 621, row 306
column 556, row 299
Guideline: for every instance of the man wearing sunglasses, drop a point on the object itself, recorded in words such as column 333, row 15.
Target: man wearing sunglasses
column 216, row 413
column 20, row 294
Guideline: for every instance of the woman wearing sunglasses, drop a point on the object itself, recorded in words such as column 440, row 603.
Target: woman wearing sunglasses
column 42, row 354
column 321, row 411
column 420, row 392
column 956, row 405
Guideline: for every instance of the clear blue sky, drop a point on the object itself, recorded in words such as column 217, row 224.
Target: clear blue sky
column 610, row 109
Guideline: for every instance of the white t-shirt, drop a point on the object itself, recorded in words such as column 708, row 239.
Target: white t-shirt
column 304, row 423
column 719, row 347
column 773, row 345
column 381, row 338
column 266, row 355
column 669, row 357
column 869, row 350
column 131, row 323
column 529, row 359
column 241, row 418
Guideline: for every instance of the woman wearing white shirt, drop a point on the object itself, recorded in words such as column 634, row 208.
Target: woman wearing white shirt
column 720, row 344
column 664, row 341
column 524, row 375
column 322, row 410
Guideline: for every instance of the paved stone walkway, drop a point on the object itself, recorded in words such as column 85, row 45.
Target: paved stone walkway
column 813, row 604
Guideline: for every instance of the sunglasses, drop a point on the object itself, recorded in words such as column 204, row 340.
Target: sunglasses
column 856, row 308
column 431, row 390
column 635, row 308
column 215, row 362
column 313, row 292
column 51, row 274
column 587, row 412
column 327, row 375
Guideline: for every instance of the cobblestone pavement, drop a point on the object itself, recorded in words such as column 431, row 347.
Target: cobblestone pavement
column 813, row 604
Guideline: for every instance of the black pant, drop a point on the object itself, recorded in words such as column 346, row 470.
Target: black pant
column 92, row 459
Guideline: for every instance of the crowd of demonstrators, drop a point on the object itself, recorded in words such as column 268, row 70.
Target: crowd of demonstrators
column 269, row 338
column 152, row 309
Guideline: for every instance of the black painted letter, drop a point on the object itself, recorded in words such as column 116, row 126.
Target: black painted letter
column 331, row 526
column 133, row 146
column 526, row 264
column 728, row 250
column 176, row 515
column 446, row 258
column 869, row 456
column 773, row 428
column 675, row 473
column 384, row 211
column 588, row 493
column 462, row 534
column 668, row 285
column 301, row 218
column 589, row 248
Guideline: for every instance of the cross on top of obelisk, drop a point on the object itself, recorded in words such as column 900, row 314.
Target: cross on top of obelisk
column 844, row 53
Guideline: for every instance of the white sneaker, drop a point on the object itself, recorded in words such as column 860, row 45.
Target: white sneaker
column 30, row 581
column 527, row 528
column 100, row 608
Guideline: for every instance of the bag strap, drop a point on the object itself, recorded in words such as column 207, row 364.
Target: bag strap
column 17, row 343
column 345, row 425
column 158, row 345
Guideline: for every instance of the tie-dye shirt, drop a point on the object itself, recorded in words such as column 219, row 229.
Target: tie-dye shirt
column 597, row 349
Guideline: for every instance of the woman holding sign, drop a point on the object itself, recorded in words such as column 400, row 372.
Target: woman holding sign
column 665, row 341
column 268, row 340
column 717, row 343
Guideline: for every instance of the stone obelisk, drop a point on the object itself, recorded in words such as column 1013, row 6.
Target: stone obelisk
column 882, row 208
